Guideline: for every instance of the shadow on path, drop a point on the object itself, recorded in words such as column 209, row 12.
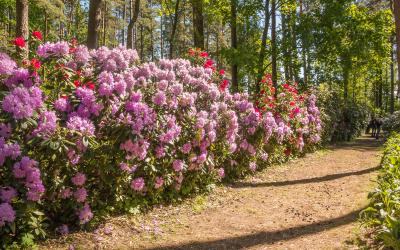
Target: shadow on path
column 304, row 181
column 259, row 238
column 363, row 143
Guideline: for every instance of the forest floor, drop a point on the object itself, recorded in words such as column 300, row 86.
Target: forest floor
column 308, row 203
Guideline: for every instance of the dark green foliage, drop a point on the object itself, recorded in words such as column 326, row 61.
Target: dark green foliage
column 384, row 210
column 342, row 120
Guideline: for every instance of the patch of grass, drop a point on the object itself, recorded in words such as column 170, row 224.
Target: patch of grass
column 323, row 151
column 199, row 203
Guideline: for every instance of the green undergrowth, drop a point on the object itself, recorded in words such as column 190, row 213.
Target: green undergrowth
column 383, row 214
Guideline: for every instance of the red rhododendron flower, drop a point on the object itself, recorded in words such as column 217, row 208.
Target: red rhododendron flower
column 296, row 110
column 90, row 85
column 77, row 83
column 35, row 63
column 203, row 54
column 19, row 42
column 209, row 63
column 292, row 103
column 37, row 34
column 223, row 85
column 222, row 72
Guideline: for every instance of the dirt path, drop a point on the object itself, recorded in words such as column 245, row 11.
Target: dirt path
column 309, row 203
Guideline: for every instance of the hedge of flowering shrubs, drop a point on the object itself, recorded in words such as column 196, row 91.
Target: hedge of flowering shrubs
column 86, row 133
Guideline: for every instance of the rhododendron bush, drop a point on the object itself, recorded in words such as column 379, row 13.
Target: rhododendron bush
column 85, row 133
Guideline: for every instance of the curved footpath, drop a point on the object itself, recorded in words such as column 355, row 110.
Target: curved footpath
column 309, row 203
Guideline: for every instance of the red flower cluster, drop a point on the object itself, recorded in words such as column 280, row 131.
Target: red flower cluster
column 200, row 57
column 89, row 85
column 209, row 64
column 37, row 35
column 35, row 63
column 19, row 42
column 223, row 85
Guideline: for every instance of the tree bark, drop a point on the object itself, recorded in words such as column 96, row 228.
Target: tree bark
column 380, row 90
column 71, row 18
column 391, row 77
column 123, row 27
column 303, row 50
column 235, row 81
column 22, row 26
column 141, row 43
column 162, row 36
column 273, row 46
column 104, row 23
column 264, row 37
column 198, row 23
column 397, row 24
column 134, row 9
column 94, row 23
column 346, row 76
column 293, row 56
column 285, row 48
column 46, row 26
column 173, row 30
column 10, row 17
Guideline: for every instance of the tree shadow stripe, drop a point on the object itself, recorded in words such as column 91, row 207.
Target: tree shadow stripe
column 259, row 238
column 304, row 181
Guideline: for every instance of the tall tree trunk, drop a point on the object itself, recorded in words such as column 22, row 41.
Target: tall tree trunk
column 173, row 30
column 235, row 80
column 217, row 47
column 285, row 48
column 162, row 36
column 94, row 23
column 22, row 25
column 71, row 18
column 151, row 35
column 380, row 90
column 264, row 37
column 303, row 50
column 198, row 23
column 123, row 27
column 10, row 17
column 134, row 9
column 293, row 62
column 273, row 46
column 391, row 77
column 346, row 75
column 141, row 43
column 397, row 24
column 104, row 23
column 46, row 26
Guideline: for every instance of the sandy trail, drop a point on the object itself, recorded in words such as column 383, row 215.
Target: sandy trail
column 308, row 203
